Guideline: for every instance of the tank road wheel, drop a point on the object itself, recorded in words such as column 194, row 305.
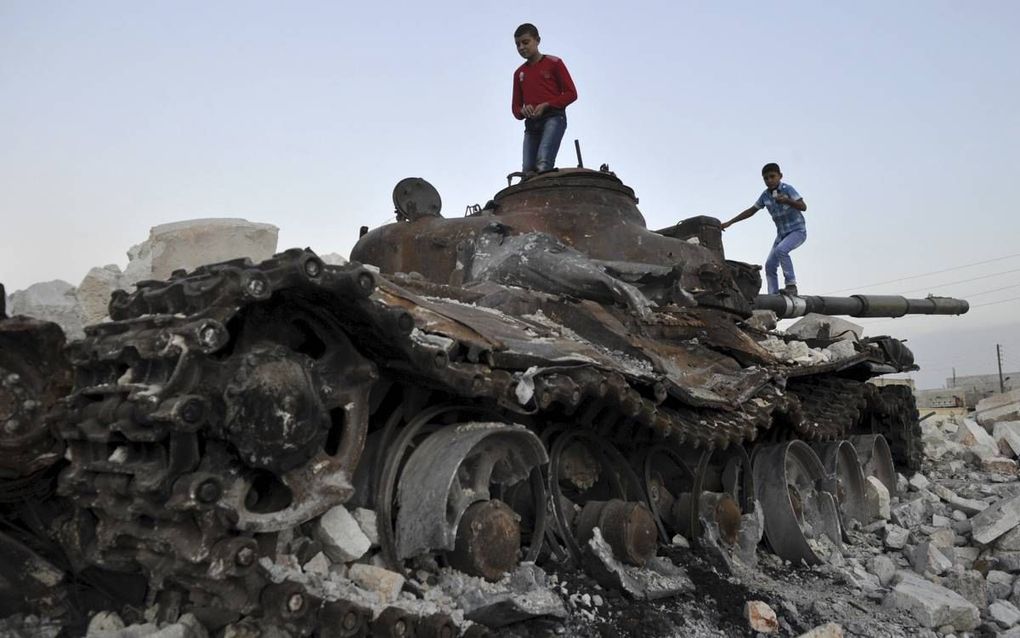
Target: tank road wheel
column 667, row 477
column 722, row 493
column 446, row 498
column 592, row 485
column 799, row 513
column 876, row 459
column 295, row 409
column 846, row 479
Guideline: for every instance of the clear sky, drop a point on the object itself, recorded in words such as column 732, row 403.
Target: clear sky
column 899, row 123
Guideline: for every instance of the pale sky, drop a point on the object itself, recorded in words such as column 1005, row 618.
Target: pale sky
column 899, row 123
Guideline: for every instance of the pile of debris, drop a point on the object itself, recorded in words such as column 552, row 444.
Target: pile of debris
column 169, row 247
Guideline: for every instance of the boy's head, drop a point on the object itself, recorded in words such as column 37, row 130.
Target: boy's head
column 526, row 38
column 771, row 174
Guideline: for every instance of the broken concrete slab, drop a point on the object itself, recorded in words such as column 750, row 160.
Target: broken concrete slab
column 997, row 400
column 197, row 242
column 970, row 584
column 105, row 621
column 996, row 520
column 964, row 557
column 382, row 581
column 918, row 482
column 896, row 536
column 1010, row 541
column 1009, row 412
column 999, row 583
column 876, row 499
column 932, row 605
column 367, row 523
column 760, row 617
column 998, row 407
column 927, row 559
column 974, row 437
column 995, row 464
column 1004, row 613
column 1007, row 435
column 883, row 567
column 828, row 630
column 967, row 505
column 318, row 565
column 341, row 536
column 909, row 514
column 94, row 292
column 942, row 537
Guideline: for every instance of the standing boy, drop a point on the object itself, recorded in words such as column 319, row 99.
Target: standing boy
column 785, row 205
column 542, row 91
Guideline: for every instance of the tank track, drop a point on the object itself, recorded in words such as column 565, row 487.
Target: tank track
column 892, row 412
column 171, row 479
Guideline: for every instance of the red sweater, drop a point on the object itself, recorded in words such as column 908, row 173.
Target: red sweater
column 545, row 81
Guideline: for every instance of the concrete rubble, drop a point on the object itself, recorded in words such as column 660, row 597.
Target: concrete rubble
column 170, row 247
column 998, row 408
column 760, row 617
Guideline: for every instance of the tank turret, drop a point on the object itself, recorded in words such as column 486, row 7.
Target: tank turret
column 586, row 224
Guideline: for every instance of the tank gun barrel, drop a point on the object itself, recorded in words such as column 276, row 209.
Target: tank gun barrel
column 787, row 306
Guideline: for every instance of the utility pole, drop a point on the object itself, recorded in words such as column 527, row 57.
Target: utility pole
column 998, row 357
column 954, row 376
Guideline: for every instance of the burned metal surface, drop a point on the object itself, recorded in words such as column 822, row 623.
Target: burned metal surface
column 34, row 375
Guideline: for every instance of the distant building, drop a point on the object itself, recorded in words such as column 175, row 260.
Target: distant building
column 979, row 386
column 952, row 401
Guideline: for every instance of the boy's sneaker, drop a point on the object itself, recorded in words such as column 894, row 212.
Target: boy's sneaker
column 790, row 289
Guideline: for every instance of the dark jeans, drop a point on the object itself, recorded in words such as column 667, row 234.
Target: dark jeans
column 542, row 141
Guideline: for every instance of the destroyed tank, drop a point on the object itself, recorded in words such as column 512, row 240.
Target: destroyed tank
column 542, row 379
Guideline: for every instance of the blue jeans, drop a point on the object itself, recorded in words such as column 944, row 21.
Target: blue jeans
column 780, row 256
column 542, row 141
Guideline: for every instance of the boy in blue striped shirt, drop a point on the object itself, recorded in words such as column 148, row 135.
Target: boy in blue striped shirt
column 786, row 206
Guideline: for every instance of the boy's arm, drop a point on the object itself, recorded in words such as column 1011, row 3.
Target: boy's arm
column 517, row 100
column 791, row 198
column 741, row 217
column 799, row 204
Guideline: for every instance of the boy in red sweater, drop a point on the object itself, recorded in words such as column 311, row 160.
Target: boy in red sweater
column 542, row 91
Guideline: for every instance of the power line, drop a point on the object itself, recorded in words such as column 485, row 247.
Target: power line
column 992, row 303
column 962, row 281
column 934, row 272
column 988, row 292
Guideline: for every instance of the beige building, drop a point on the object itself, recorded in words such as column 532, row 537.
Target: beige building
column 948, row 402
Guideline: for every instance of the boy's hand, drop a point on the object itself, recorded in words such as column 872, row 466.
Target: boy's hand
column 528, row 111
column 540, row 109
